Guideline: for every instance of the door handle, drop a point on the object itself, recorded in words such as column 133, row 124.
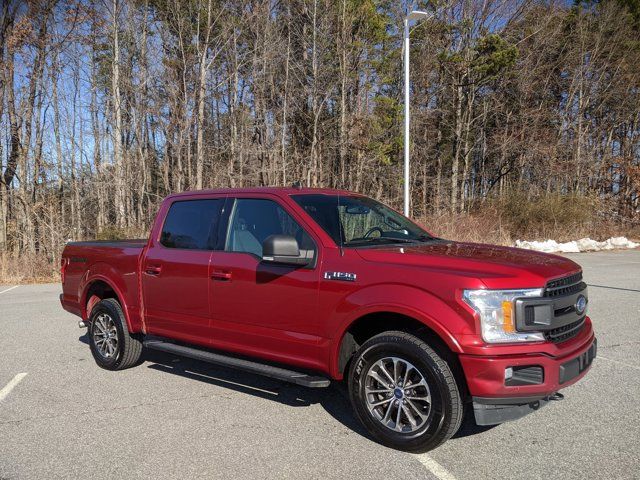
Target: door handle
column 221, row 276
column 153, row 270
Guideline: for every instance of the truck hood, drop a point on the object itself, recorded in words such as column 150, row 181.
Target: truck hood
column 495, row 266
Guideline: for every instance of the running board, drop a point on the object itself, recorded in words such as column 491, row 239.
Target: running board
column 240, row 364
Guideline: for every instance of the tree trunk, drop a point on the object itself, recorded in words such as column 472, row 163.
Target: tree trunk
column 118, row 159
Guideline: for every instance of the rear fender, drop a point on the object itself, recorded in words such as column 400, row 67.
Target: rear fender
column 128, row 300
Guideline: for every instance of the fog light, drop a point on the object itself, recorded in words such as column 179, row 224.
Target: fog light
column 508, row 373
column 523, row 375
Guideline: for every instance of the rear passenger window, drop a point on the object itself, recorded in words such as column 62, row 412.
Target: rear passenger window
column 192, row 224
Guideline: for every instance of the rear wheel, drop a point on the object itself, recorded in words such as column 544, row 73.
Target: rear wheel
column 112, row 346
column 404, row 393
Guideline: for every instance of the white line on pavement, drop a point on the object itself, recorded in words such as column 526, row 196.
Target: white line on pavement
column 635, row 367
column 435, row 468
column 5, row 291
column 11, row 385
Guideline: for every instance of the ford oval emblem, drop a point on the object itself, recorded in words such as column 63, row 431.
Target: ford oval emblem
column 581, row 304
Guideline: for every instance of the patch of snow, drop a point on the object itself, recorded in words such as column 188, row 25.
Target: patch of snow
column 576, row 246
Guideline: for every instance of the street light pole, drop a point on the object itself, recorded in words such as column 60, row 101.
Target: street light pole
column 407, row 113
column 414, row 15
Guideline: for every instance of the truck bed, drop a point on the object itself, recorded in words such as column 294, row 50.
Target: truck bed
column 116, row 262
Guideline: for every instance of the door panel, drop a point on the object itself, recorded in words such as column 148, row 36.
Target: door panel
column 177, row 298
column 265, row 309
column 175, row 272
column 260, row 308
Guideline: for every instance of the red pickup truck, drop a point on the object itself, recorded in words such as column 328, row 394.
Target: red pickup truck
column 312, row 285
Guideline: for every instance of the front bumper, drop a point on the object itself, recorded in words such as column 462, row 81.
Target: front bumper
column 495, row 401
column 488, row 411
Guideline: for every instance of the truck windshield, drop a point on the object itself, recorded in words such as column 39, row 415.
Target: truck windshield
column 360, row 221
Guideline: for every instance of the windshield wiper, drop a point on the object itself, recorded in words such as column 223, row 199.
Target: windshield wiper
column 378, row 241
column 402, row 240
column 388, row 241
column 426, row 238
column 420, row 239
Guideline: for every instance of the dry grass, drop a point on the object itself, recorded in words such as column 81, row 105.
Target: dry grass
column 486, row 228
column 27, row 268
column 518, row 217
column 480, row 228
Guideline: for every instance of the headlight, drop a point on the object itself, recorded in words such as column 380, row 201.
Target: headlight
column 497, row 315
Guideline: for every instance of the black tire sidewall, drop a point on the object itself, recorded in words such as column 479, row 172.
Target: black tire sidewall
column 108, row 307
column 392, row 346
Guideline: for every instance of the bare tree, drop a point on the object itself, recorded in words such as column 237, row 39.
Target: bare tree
column 106, row 106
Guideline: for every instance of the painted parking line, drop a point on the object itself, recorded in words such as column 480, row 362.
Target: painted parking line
column 613, row 288
column 9, row 289
column 435, row 468
column 11, row 385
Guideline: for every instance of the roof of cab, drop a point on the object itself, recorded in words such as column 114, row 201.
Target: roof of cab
column 279, row 191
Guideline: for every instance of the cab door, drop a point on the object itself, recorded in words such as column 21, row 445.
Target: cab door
column 175, row 271
column 258, row 308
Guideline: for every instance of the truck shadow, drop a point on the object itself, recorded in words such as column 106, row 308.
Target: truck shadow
column 469, row 426
column 334, row 399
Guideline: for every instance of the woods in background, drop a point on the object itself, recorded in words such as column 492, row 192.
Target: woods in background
column 106, row 106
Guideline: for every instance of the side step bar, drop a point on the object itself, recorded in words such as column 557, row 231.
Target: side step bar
column 240, row 364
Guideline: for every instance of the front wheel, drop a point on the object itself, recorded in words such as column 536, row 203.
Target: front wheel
column 404, row 393
column 112, row 346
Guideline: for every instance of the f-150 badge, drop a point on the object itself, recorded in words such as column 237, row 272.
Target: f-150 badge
column 344, row 276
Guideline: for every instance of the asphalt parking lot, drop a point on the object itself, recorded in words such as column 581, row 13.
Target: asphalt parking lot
column 176, row 418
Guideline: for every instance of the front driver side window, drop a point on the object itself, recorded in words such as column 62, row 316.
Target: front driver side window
column 255, row 219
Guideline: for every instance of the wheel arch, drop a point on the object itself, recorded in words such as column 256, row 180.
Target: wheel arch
column 99, row 287
column 380, row 320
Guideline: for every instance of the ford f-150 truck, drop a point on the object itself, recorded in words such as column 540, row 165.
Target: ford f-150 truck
column 313, row 285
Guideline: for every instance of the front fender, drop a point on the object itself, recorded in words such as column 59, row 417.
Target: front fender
column 401, row 299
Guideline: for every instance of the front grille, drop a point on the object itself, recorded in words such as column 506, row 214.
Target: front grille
column 565, row 286
column 562, row 282
column 564, row 333
column 555, row 315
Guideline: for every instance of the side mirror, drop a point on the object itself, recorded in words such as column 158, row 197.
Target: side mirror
column 283, row 249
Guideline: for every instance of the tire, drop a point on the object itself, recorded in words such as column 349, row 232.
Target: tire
column 125, row 351
column 434, row 403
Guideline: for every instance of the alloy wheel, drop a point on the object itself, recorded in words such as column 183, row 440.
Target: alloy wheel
column 397, row 395
column 105, row 335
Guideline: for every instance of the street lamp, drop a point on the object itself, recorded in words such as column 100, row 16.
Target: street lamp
column 414, row 15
